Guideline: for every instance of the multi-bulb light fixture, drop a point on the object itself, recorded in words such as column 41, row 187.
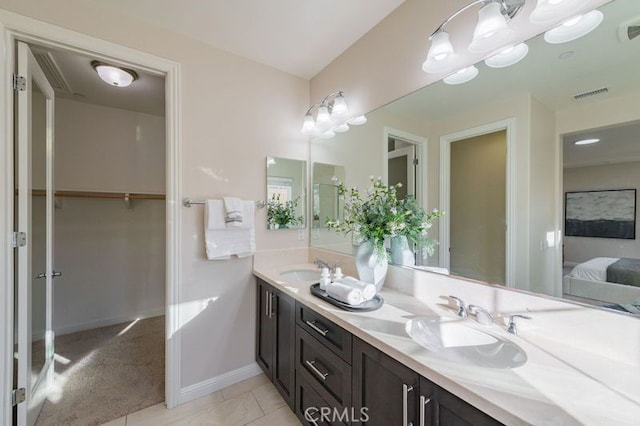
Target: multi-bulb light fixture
column 332, row 116
column 492, row 33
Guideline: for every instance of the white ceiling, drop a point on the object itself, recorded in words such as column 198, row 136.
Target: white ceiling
column 300, row 37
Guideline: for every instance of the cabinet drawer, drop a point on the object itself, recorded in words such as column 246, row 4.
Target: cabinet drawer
column 332, row 336
column 330, row 375
column 309, row 402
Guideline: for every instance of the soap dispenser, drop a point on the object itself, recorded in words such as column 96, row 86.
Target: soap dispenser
column 337, row 274
column 324, row 279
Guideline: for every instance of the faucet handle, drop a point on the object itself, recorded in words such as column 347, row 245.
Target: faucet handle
column 462, row 309
column 482, row 315
column 511, row 328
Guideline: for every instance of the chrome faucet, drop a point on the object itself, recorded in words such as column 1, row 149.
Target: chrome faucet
column 482, row 315
column 511, row 328
column 321, row 263
column 462, row 309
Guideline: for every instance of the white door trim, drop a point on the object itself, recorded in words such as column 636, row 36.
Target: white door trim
column 14, row 26
column 421, row 153
column 445, row 187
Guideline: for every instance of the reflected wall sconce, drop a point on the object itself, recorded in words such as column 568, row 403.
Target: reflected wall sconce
column 114, row 76
column 332, row 116
column 574, row 28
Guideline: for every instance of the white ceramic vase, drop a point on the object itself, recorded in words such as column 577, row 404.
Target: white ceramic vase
column 401, row 254
column 371, row 265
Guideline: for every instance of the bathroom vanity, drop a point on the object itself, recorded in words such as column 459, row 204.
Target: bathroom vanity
column 320, row 356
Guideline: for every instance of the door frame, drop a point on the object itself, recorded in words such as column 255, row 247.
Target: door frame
column 421, row 154
column 17, row 27
column 445, row 191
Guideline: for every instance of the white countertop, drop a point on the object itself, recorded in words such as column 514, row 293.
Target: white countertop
column 558, row 385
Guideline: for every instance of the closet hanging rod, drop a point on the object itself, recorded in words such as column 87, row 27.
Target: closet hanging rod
column 106, row 195
column 188, row 202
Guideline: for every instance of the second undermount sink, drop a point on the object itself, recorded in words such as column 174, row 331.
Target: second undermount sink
column 453, row 340
column 300, row 275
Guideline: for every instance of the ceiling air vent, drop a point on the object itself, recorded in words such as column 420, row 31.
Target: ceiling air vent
column 591, row 93
column 633, row 32
column 51, row 71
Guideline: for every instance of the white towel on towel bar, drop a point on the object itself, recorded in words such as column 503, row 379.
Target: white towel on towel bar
column 222, row 242
column 234, row 214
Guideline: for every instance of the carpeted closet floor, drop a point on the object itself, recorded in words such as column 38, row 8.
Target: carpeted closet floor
column 106, row 373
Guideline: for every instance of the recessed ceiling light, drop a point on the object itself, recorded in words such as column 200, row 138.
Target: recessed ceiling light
column 586, row 141
column 114, row 76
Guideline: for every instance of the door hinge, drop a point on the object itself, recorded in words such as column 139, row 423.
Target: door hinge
column 19, row 82
column 19, row 239
column 415, row 161
column 18, row 396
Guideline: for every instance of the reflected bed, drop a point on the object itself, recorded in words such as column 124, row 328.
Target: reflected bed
column 605, row 279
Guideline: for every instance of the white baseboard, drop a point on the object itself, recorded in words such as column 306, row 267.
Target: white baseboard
column 105, row 322
column 216, row 383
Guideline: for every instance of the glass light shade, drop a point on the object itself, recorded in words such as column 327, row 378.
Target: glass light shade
column 323, row 118
column 440, row 54
column 462, row 76
column 507, row 57
column 357, row 121
column 328, row 134
column 574, row 28
column 115, row 76
column 491, row 30
column 548, row 11
column 340, row 108
column 341, row 128
column 308, row 126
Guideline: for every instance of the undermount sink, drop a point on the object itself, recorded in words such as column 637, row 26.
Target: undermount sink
column 300, row 275
column 453, row 340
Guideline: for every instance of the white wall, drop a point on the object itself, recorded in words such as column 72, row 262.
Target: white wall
column 100, row 148
column 220, row 94
column 594, row 178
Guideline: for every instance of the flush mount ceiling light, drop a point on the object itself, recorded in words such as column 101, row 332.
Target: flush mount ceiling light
column 508, row 56
column 490, row 33
column 547, row 11
column 586, row 141
column 332, row 115
column 574, row 28
column 114, row 76
column 462, row 76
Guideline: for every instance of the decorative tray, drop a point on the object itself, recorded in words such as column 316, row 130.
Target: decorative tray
column 369, row 305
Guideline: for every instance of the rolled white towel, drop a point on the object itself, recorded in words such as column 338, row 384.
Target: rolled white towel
column 368, row 290
column 344, row 293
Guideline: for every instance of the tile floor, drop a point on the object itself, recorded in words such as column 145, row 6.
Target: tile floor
column 253, row 402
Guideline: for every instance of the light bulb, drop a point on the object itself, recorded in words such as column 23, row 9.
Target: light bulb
column 340, row 108
column 323, row 118
column 462, row 76
column 357, row 121
column 114, row 76
column 574, row 28
column 508, row 56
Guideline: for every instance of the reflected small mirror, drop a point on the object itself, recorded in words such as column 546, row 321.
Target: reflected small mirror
column 286, row 193
column 326, row 201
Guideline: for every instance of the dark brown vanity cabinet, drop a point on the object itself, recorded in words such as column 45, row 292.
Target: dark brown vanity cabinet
column 275, row 338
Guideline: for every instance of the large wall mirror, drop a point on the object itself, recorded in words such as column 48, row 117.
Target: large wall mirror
column 286, row 189
column 498, row 153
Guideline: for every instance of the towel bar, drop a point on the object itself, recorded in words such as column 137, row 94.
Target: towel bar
column 188, row 202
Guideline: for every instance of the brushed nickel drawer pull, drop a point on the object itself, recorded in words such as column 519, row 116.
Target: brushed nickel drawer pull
column 313, row 367
column 423, row 404
column 313, row 325
column 405, row 403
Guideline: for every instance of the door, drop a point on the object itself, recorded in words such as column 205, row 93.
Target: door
column 34, row 220
column 477, row 207
column 265, row 328
column 401, row 166
column 284, row 345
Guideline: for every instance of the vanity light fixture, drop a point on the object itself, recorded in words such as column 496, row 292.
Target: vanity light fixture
column 574, row 28
column 462, row 76
column 586, row 141
column 332, row 115
column 490, row 33
column 508, row 56
column 114, row 76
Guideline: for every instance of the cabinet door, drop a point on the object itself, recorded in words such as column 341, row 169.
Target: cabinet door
column 452, row 411
column 385, row 389
column 284, row 345
column 265, row 328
